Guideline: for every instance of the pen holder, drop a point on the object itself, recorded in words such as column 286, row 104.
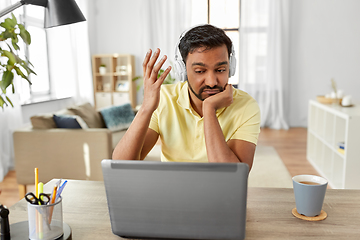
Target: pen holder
column 45, row 221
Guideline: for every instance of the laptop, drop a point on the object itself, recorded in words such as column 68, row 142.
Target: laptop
column 170, row 200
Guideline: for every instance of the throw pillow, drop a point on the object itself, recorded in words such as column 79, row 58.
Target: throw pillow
column 118, row 117
column 69, row 121
column 46, row 121
column 89, row 115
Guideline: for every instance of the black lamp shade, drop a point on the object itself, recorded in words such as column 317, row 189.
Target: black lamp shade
column 62, row 12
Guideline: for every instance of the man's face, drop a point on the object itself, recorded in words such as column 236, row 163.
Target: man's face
column 207, row 72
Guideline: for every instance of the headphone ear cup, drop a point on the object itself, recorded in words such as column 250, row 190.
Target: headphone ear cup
column 180, row 70
column 232, row 62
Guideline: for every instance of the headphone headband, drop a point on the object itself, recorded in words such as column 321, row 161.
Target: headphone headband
column 179, row 65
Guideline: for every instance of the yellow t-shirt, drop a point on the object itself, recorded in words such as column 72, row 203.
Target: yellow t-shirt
column 181, row 128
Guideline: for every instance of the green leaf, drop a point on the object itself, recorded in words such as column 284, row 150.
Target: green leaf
column 8, row 99
column 14, row 42
column 10, row 56
column 14, row 18
column 2, row 102
column 136, row 78
column 20, row 73
column 7, row 34
column 6, row 25
column 25, row 66
column 24, row 34
column 7, row 79
column 13, row 88
column 10, row 23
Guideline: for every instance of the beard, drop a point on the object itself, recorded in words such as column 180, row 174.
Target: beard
column 201, row 91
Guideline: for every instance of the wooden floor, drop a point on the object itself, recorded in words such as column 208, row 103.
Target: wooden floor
column 291, row 147
column 289, row 144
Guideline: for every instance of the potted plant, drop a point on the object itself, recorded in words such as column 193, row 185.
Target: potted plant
column 10, row 62
column 102, row 69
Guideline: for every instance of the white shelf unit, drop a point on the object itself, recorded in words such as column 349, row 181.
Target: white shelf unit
column 329, row 124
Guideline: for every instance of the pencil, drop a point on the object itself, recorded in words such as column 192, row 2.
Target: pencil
column 51, row 202
column 36, row 182
column 37, row 195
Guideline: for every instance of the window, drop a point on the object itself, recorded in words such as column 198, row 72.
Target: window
column 37, row 53
column 254, row 26
column 224, row 14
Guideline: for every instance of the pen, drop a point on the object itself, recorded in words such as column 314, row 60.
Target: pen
column 61, row 188
column 57, row 184
column 53, row 195
column 36, row 182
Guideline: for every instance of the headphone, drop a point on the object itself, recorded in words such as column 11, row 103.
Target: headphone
column 179, row 65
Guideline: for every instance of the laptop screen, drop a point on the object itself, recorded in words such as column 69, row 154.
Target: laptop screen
column 176, row 200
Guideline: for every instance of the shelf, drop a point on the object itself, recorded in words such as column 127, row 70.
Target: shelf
column 120, row 70
column 120, row 91
column 103, row 91
column 120, row 74
column 104, row 75
column 327, row 126
column 329, row 145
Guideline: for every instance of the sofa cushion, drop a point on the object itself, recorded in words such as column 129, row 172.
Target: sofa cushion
column 89, row 115
column 46, row 121
column 69, row 121
column 118, row 117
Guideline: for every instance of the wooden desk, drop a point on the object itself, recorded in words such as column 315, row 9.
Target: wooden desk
column 268, row 213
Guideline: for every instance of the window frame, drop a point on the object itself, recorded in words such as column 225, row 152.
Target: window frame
column 35, row 97
column 227, row 29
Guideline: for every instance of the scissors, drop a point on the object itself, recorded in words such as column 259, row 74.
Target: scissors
column 31, row 198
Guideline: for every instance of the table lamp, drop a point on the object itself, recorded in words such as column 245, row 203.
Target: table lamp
column 57, row 12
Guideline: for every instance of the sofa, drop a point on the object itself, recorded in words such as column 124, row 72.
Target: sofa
column 60, row 150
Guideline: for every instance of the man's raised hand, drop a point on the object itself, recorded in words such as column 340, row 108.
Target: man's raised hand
column 152, row 83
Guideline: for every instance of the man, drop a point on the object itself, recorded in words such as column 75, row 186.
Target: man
column 203, row 119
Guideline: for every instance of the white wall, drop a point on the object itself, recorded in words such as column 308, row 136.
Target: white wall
column 324, row 44
column 114, row 28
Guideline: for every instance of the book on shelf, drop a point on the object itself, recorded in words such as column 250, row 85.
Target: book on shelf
column 341, row 145
column 342, row 151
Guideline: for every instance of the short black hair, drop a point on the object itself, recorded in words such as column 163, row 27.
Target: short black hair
column 207, row 36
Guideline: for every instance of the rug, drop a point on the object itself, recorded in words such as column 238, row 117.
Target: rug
column 268, row 170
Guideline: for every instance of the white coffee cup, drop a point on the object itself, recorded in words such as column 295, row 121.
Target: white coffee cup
column 346, row 101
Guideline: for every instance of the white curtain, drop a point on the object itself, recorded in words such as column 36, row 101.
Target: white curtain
column 10, row 119
column 70, row 59
column 81, row 54
column 264, row 57
column 163, row 22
